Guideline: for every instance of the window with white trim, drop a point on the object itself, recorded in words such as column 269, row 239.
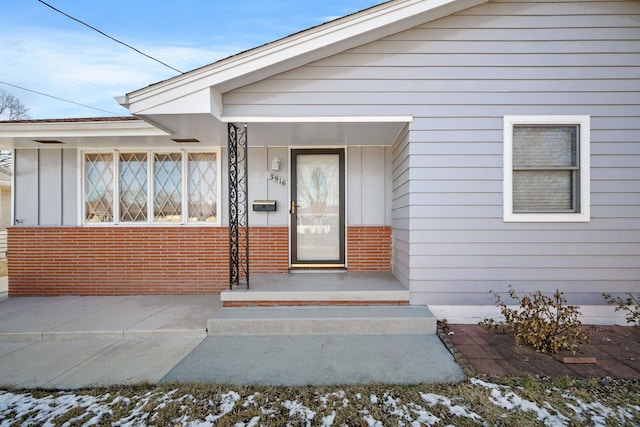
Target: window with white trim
column 546, row 168
column 145, row 187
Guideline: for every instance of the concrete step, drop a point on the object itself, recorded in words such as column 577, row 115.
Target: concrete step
column 316, row 289
column 327, row 320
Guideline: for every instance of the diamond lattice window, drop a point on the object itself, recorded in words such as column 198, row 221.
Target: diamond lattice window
column 133, row 187
column 167, row 188
column 202, row 187
column 147, row 187
column 98, row 188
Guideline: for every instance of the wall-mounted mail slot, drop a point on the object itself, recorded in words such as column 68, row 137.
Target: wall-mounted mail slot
column 264, row 205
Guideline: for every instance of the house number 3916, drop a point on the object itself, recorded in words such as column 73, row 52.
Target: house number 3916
column 278, row 180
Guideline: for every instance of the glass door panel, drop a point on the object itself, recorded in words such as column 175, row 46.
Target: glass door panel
column 318, row 208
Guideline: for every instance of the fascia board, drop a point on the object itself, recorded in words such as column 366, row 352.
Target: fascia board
column 318, row 119
column 78, row 129
column 297, row 50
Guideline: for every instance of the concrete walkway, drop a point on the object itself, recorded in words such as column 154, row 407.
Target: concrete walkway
column 76, row 342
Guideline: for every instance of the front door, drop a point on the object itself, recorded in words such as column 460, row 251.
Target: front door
column 317, row 208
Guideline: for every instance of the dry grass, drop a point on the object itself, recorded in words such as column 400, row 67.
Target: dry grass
column 466, row 403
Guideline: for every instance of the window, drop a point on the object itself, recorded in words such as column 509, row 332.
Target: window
column 141, row 187
column 546, row 168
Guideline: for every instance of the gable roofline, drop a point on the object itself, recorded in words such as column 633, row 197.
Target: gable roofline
column 203, row 87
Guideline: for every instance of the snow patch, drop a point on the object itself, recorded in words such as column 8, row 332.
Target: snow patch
column 298, row 409
column 455, row 410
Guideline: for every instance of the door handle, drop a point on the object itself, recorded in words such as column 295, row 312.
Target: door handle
column 293, row 208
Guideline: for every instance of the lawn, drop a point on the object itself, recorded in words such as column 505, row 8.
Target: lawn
column 479, row 401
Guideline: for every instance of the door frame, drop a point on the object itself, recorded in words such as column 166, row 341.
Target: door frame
column 341, row 261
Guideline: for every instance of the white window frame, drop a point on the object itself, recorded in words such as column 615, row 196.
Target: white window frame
column 150, row 187
column 584, row 196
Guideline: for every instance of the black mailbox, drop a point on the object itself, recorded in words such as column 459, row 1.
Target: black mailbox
column 264, row 205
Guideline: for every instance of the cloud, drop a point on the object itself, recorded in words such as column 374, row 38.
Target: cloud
column 329, row 18
column 85, row 68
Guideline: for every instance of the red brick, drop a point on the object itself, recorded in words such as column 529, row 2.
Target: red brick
column 169, row 260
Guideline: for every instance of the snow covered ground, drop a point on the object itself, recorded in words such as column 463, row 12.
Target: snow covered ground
column 476, row 402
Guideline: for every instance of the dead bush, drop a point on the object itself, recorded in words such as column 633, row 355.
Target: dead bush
column 631, row 305
column 548, row 324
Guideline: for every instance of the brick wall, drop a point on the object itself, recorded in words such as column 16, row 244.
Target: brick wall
column 268, row 249
column 158, row 260
column 369, row 248
column 133, row 260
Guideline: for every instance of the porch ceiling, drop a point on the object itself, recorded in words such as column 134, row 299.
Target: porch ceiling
column 284, row 131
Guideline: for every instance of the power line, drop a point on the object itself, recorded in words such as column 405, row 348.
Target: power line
column 58, row 98
column 112, row 38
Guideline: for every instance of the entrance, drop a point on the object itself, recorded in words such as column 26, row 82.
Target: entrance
column 317, row 208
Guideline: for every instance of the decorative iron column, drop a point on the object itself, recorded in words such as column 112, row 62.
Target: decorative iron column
column 238, row 206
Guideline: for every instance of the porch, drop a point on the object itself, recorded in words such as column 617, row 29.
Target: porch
column 318, row 289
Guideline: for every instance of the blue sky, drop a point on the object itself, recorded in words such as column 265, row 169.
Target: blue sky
column 45, row 51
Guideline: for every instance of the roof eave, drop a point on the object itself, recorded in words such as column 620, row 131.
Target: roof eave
column 78, row 128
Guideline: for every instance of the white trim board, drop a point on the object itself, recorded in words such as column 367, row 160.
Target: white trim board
column 472, row 314
column 584, row 189
column 318, row 119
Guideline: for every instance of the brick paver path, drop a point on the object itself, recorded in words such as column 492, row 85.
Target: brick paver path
column 615, row 348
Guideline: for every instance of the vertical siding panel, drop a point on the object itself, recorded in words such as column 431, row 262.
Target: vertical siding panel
column 224, row 185
column 26, row 186
column 373, row 177
column 257, row 183
column 368, row 185
column 354, row 186
column 388, row 183
column 400, row 207
column 50, row 184
column 278, row 191
column 70, row 200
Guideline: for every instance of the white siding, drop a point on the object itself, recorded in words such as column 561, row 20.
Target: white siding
column 264, row 185
column 368, row 174
column 50, row 187
column 46, row 183
column 70, row 200
column 401, row 208
column 25, row 165
column 368, row 185
column 458, row 76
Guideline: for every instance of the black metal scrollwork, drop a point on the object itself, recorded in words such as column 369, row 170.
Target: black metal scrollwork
column 238, row 206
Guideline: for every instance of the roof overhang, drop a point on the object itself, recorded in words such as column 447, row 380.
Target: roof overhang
column 77, row 132
column 131, row 132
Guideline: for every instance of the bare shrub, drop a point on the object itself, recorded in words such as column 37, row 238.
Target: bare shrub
column 548, row 324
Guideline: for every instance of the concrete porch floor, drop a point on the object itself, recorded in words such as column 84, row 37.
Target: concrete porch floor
column 318, row 288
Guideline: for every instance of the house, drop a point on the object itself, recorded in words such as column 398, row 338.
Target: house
column 462, row 145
